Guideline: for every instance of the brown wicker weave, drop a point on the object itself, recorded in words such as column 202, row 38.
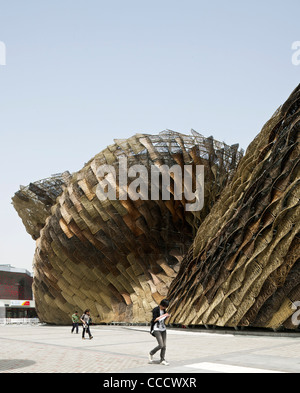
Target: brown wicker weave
column 118, row 258
column 243, row 267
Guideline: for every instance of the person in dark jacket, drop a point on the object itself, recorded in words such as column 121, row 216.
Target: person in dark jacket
column 86, row 321
column 159, row 331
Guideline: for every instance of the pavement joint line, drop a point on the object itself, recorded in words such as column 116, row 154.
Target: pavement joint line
column 225, row 332
column 279, row 345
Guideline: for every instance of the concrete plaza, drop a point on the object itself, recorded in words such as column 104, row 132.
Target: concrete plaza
column 118, row 349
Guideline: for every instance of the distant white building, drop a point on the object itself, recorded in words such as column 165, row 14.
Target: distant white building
column 16, row 298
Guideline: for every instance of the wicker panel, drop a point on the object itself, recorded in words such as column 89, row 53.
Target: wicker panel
column 245, row 256
column 117, row 258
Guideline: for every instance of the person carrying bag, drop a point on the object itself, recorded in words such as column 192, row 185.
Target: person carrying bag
column 159, row 331
column 86, row 320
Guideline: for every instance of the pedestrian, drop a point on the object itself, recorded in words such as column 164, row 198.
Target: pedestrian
column 75, row 322
column 159, row 331
column 86, row 321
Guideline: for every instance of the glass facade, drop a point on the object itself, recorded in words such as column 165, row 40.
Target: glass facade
column 15, row 285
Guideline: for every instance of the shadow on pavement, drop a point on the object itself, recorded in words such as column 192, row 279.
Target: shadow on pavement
column 12, row 364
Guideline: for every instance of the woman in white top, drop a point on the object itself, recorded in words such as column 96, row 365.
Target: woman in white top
column 86, row 320
column 159, row 331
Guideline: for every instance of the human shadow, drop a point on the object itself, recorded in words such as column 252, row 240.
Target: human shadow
column 155, row 362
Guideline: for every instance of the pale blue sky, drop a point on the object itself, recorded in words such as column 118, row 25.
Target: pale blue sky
column 81, row 73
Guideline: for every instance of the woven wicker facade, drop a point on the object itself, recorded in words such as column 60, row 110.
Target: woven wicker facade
column 33, row 202
column 243, row 268
column 117, row 258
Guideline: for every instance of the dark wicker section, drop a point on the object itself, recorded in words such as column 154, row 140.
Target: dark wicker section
column 118, row 258
column 33, row 203
column 243, row 267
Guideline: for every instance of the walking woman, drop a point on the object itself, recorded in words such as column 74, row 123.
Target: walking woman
column 86, row 320
column 159, row 331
